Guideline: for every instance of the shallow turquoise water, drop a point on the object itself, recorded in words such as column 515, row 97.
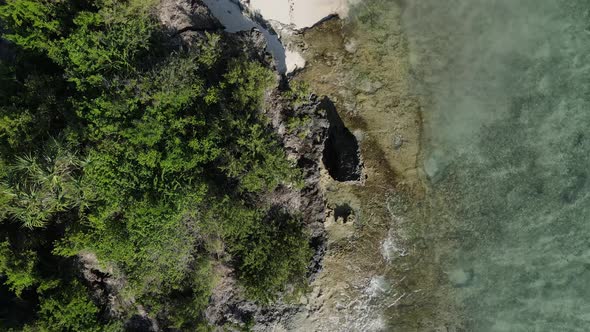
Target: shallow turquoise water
column 507, row 145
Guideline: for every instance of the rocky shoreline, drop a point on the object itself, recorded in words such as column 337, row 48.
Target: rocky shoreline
column 347, row 199
column 310, row 131
column 356, row 137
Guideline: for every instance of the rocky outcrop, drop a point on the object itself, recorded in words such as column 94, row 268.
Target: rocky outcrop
column 302, row 129
column 106, row 290
column 304, row 143
column 229, row 308
column 186, row 20
column 248, row 44
column 103, row 284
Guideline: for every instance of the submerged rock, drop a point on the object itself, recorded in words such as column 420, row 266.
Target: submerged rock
column 460, row 277
column 398, row 142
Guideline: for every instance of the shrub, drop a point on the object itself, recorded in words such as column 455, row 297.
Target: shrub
column 151, row 142
column 269, row 248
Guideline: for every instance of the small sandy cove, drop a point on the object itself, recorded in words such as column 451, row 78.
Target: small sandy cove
column 299, row 13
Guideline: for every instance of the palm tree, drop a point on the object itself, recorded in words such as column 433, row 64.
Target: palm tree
column 38, row 187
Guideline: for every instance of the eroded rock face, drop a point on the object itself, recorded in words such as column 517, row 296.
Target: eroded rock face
column 106, row 289
column 183, row 15
column 228, row 306
column 249, row 44
column 186, row 20
column 103, row 284
column 139, row 323
column 304, row 144
column 341, row 153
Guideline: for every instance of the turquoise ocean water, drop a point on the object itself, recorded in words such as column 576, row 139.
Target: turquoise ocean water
column 507, row 154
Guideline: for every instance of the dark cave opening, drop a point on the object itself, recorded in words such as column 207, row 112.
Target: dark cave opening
column 341, row 151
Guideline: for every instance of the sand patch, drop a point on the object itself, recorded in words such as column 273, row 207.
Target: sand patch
column 300, row 13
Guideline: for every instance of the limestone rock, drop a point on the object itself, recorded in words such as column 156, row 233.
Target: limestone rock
column 186, row 20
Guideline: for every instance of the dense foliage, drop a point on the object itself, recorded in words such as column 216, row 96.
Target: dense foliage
column 152, row 158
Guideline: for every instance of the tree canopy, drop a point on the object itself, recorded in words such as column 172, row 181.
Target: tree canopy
column 151, row 157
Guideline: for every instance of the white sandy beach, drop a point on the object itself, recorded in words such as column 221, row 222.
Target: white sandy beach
column 230, row 15
column 299, row 13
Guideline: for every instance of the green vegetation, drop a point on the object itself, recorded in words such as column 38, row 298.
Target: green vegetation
column 154, row 159
column 299, row 92
column 299, row 123
column 297, row 95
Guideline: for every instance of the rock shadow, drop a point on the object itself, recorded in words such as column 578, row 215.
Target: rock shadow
column 341, row 151
column 343, row 211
